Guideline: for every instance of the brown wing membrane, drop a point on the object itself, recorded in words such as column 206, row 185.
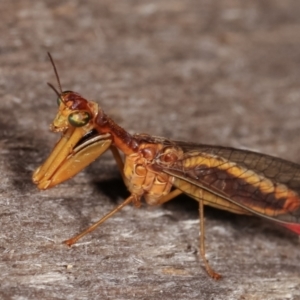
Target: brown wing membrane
column 273, row 168
column 208, row 198
column 257, row 183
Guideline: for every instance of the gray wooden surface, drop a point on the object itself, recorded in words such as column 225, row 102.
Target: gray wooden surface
column 219, row 72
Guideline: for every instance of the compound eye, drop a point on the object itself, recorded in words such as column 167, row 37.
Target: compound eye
column 59, row 101
column 79, row 118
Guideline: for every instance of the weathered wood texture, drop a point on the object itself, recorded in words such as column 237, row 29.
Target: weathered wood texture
column 220, row 72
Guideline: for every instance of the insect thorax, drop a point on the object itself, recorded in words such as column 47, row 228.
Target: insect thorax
column 143, row 171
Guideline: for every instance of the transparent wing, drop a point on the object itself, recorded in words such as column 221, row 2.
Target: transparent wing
column 238, row 180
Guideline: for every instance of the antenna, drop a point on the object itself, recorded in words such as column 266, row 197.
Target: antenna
column 57, row 77
column 54, row 89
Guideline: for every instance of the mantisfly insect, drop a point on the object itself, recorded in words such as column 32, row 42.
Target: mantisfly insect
column 157, row 169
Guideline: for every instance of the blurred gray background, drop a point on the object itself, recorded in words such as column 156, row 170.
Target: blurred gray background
column 218, row 72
